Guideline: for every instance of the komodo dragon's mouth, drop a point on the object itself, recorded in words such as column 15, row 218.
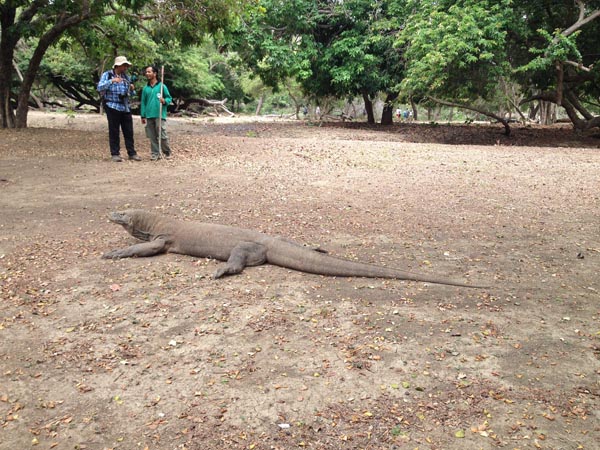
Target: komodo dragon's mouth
column 127, row 219
column 119, row 218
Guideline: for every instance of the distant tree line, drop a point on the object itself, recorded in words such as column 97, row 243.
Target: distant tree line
column 498, row 59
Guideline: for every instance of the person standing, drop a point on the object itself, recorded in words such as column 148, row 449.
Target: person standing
column 116, row 87
column 153, row 116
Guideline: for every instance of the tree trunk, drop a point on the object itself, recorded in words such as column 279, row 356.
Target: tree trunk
column 34, row 64
column 581, row 118
column 7, row 118
column 294, row 100
column 8, row 41
column 547, row 113
column 387, row 116
column 437, row 112
column 10, row 35
column 353, row 107
column 368, row 108
column 259, row 106
column 413, row 105
column 574, row 108
column 38, row 102
column 533, row 111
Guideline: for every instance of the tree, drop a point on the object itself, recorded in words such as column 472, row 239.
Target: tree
column 356, row 54
column 456, row 52
column 75, row 63
column 332, row 48
column 562, row 65
column 275, row 41
column 46, row 21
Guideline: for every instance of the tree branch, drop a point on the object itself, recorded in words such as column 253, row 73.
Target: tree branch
column 572, row 99
column 578, row 65
column 37, row 101
column 546, row 96
column 478, row 110
column 582, row 20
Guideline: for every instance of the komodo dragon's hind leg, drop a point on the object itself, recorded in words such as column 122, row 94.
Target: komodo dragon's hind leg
column 243, row 254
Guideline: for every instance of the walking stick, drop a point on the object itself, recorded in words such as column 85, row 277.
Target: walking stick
column 162, row 78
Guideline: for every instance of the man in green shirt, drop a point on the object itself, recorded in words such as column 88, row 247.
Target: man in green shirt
column 152, row 116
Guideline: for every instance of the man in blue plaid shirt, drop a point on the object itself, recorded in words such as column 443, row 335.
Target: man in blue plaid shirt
column 115, row 87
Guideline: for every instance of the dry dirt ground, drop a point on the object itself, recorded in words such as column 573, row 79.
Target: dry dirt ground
column 154, row 354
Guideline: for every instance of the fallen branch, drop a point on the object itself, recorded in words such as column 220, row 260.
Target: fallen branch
column 216, row 105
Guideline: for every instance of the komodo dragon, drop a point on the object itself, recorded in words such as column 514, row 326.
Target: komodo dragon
column 240, row 248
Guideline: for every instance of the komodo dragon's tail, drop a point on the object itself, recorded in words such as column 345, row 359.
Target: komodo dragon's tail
column 306, row 260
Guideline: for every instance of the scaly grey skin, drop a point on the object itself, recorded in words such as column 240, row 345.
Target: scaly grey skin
column 241, row 248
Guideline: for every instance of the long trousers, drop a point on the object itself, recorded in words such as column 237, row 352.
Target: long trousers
column 117, row 121
column 152, row 134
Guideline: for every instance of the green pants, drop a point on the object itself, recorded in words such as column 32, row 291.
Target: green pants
column 152, row 134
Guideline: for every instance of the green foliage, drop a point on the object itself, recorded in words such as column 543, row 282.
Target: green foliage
column 559, row 49
column 185, row 22
column 332, row 48
column 543, row 46
column 455, row 49
column 253, row 85
column 189, row 74
column 275, row 42
column 356, row 51
column 67, row 63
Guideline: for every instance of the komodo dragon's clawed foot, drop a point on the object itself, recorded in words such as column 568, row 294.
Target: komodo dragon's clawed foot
column 115, row 254
column 220, row 272
column 244, row 254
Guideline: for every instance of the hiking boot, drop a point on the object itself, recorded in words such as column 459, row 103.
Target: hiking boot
column 116, row 158
column 154, row 158
column 135, row 158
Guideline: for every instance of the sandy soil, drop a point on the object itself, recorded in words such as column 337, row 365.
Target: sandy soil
column 154, row 354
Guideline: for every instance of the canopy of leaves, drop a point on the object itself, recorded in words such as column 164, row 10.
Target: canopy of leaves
column 42, row 24
column 184, row 22
column 275, row 41
column 189, row 75
column 332, row 48
column 456, row 49
column 543, row 42
column 356, row 51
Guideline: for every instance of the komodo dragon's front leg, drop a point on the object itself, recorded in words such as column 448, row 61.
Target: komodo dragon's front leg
column 244, row 254
column 144, row 249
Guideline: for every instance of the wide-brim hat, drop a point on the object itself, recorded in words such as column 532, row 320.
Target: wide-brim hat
column 120, row 60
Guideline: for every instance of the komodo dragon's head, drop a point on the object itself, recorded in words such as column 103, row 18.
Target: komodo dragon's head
column 137, row 222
